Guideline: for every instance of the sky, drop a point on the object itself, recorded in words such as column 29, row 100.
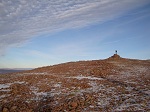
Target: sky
column 36, row 33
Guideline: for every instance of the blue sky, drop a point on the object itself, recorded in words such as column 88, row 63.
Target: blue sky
column 45, row 32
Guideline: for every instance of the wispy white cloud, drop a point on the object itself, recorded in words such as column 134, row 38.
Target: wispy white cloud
column 37, row 54
column 20, row 20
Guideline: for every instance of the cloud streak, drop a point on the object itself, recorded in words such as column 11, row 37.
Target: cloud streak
column 21, row 20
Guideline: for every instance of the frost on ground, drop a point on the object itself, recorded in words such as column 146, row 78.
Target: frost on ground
column 86, row 77
column 3, row 86
column 105, row 85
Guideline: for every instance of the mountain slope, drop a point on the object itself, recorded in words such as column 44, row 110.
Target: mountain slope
column 113, row 84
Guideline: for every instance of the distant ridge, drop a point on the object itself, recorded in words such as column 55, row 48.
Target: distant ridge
column 9, row 70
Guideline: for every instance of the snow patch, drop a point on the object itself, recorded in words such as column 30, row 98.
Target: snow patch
column 4, row 86
column 20, row 82
column 40, row 73
column 86, row 77
column 42, row 94
column 3, row 96
column 57, row 85
column 34, row 89
column 7, row 85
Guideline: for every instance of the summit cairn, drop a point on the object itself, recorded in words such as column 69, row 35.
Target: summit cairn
column 115, row 56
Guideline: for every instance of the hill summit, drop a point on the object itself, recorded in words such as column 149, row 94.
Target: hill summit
column 115, row 57
column 115, row 84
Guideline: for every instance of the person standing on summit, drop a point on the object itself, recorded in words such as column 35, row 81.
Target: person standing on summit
column 116, row 51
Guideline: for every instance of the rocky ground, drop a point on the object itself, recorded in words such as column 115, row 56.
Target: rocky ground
column 112, row 85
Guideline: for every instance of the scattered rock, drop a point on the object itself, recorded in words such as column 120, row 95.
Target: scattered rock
column 13, row 108
column 5, row 109
column 30, row 110
column 5, row 101
column 124, row 82
column 74, row 105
